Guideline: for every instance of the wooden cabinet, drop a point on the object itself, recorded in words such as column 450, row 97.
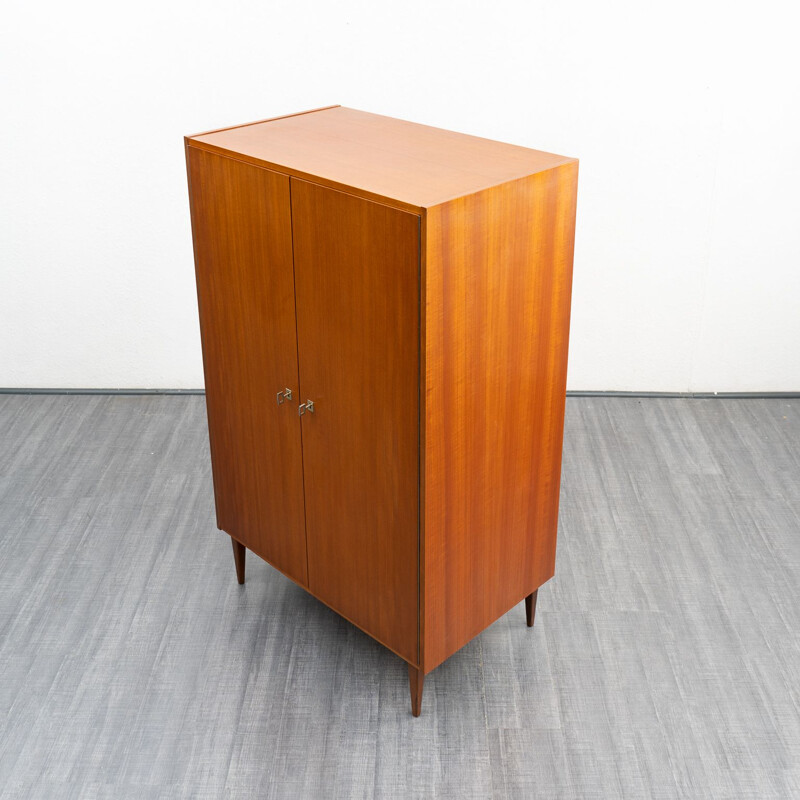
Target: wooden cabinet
column 384, row 310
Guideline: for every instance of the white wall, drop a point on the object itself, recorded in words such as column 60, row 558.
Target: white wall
column 685, row 117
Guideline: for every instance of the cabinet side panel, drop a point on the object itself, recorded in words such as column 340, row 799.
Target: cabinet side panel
column 498, row 273
column 241, row 225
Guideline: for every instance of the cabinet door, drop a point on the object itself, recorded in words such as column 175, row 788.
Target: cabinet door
column 357, row 283
column 241, row 219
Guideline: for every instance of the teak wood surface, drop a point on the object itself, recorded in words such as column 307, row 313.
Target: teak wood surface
column 357, row 284
column 415, row 283
column 498, row 277
column 399, row 163
column 241, row 222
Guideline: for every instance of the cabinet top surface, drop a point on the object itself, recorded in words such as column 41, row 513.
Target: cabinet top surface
column 416, row 166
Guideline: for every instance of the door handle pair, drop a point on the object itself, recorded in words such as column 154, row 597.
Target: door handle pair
column 286, row 394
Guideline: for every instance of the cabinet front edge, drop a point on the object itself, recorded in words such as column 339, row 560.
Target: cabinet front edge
column 306, row 176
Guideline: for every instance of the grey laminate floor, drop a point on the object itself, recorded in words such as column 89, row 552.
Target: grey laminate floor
column 664, row 663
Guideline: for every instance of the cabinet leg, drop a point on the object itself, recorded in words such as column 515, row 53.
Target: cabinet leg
column 239, row 551
column 416, row 678
column 530, row 607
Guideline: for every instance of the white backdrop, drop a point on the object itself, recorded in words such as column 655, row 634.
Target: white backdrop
column 686, row 118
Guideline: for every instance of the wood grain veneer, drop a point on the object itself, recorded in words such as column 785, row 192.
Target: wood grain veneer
column 357, row 284
column 414, row 285
column 498, row 277
column 241, row 223
column 399, row 163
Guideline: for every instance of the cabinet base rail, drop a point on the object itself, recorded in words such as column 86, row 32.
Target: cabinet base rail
column 416, row 677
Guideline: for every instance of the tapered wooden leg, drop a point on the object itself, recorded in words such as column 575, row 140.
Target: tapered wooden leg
column 530, row 607
column 239, row 551
column 416, row 678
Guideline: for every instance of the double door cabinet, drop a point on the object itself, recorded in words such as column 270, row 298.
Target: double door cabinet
column 384, row 313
